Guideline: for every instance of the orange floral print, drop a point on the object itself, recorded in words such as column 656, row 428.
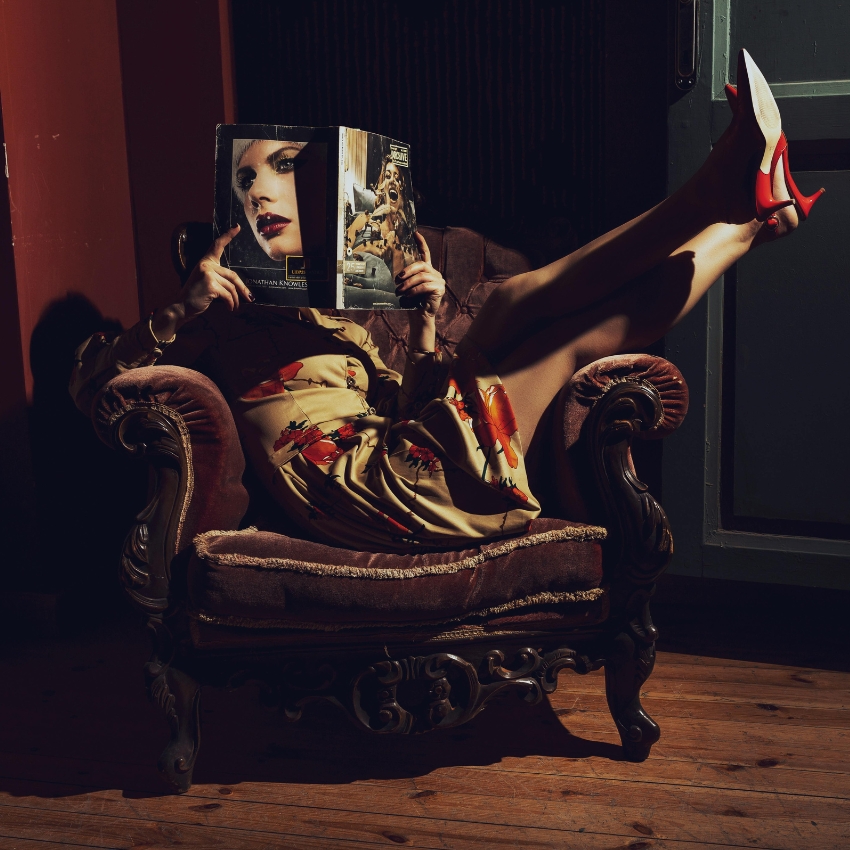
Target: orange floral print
column 318, row 448
column 347, row 430
column 275, row 385
column 322, row 452
column 496, row 422
column 458, row 401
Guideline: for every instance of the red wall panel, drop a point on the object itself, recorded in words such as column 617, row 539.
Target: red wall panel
column 63, row 118
column 176, row 66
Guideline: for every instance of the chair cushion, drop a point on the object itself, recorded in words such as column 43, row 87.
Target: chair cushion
column 259, row 579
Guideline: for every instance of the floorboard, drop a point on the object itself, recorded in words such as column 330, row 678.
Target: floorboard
column 755, row 752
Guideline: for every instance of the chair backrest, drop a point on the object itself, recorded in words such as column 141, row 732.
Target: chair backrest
column 471, row 264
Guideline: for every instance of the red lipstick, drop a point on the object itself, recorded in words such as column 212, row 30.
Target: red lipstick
column 270, row 225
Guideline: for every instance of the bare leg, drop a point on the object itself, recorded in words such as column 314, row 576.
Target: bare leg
column 721, row 192
column 547, row 324
column 630, row 318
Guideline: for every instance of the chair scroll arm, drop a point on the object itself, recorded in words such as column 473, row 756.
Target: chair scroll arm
column 177, row 420
column 604, row 407
column 639, row 532
column 149, row 546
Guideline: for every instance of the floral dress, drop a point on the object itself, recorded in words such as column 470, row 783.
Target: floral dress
column 354, row 452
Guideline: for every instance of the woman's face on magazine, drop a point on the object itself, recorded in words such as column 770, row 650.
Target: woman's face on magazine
column 266, row 176
column 392, row 186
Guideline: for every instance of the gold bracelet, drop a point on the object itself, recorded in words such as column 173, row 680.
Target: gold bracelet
column 161, row 344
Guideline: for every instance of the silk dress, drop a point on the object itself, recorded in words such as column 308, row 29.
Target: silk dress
column 354, row 452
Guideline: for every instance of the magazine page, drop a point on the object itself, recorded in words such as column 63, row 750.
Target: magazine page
column 280, row 184
column 379, row 220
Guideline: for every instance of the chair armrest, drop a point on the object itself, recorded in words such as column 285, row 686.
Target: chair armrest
column 180, row 423
column 590, row 384
column 603, row 408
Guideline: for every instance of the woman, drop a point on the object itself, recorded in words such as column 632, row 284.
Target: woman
column 368, row 458
column 266, row 175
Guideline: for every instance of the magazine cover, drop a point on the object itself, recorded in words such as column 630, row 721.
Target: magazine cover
column 280, row 184
column 379, row 219
column 327, row 216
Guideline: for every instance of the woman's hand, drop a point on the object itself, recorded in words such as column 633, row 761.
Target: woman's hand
column 422, row 282
column 208, row 282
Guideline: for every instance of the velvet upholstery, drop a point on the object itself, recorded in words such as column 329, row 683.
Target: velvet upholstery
column 254, row 578
column 562, row 492
column 206, row 425
column 594, row 380
column 402, row 643
column 259, row 578
column 472, row 267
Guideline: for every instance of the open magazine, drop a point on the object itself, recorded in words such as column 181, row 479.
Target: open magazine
column 326, row 213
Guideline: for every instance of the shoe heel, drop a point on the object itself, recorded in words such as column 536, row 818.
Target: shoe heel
column 804, row 203
column 766, row 204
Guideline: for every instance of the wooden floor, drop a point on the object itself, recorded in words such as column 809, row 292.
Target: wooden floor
column 754, row 753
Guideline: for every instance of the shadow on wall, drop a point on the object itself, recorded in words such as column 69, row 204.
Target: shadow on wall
column 86, row 494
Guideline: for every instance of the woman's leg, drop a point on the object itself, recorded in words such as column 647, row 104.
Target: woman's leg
column 637, row 314
column 721, row 192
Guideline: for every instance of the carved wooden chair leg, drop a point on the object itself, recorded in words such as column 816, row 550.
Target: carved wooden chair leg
column 629, row 662
column 178, row 696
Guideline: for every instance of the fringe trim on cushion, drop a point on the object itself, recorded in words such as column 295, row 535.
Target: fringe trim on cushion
column 571, row 534
column 544, row 598
column 615, row 380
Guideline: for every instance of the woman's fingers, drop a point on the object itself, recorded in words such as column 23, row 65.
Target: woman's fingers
column 421, row 278
column 224, row 289
column 418, row 266
column 423, row 247
column 430, row 277
column 234, row 278
column 209, row 281
column 217, row 247
column 421, row 289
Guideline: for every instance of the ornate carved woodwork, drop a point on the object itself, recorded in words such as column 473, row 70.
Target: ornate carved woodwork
column 627, row 667
column 639, row 533
column 418, row 693
column 407, row 691
column 643, row 545
column 155, row 433
column 177, row 695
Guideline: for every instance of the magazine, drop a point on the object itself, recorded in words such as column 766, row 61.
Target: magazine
column 326, row 213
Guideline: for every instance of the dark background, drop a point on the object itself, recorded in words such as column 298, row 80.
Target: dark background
column 540, row 124
column 537, row 122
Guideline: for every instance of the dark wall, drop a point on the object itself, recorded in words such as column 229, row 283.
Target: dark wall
column 638, row 84
column 525, row 116
column 66, row 234
column 502, row 102
column 175, row 81
column 539, row 123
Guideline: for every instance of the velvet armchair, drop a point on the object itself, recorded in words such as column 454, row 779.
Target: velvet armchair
column 233, row 592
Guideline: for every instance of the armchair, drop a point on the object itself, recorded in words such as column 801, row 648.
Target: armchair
column 400, row 643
